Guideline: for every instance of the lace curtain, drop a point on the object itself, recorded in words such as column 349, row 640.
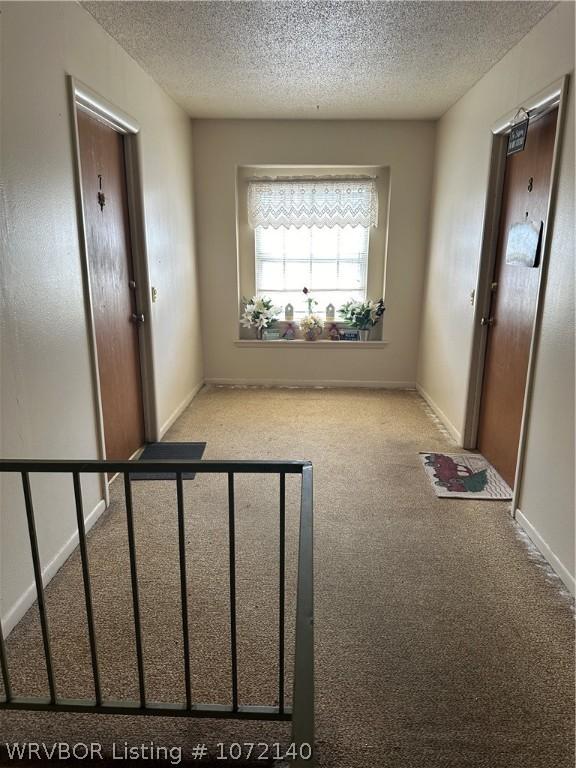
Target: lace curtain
column 313, row 202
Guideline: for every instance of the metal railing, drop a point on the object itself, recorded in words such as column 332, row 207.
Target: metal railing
column 302, row 711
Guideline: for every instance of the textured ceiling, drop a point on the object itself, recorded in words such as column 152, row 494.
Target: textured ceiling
column 317, row 59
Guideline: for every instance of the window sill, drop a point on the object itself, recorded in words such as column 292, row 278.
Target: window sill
column 299, row 343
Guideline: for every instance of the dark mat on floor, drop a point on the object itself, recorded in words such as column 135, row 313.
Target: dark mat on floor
column 174, row 451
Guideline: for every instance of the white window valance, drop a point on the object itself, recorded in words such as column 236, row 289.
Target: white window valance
column 313, row 203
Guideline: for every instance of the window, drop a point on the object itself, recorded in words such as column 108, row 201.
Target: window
column 332, row 263
column 313, row 233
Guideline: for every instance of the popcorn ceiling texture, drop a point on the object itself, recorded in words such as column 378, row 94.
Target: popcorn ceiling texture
column 317, row 59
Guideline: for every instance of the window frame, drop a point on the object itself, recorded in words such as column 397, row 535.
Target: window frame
column 378, row 240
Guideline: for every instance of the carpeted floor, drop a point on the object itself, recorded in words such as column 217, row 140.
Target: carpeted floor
column 442, row 638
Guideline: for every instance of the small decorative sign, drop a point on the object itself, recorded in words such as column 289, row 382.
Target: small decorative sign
column 349, row 335
column 517, row 137
column 270, row 335
column 523, row 244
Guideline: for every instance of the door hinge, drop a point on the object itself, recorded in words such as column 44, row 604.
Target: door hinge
column 487, row 321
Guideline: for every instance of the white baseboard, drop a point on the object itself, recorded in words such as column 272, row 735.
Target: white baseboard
column 28, row 597
column 180, row 409
column 454, row 433
column 545, row 550
column 301, row 383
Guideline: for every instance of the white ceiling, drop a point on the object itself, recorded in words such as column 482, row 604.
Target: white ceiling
column 317, row 58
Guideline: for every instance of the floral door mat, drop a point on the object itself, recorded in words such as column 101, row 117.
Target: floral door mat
column 464, row 476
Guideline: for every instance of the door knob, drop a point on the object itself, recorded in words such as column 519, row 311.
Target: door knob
column 138, row 318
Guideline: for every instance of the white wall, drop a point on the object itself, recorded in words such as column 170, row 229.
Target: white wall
column 463, row 153
column 222, row 145
column 47, row 397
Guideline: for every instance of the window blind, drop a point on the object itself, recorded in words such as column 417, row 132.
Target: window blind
column 331, row 262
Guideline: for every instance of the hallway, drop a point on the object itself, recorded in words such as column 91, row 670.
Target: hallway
column 442, row 638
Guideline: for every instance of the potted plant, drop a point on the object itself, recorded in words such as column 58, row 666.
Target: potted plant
column 311, row 325
column 362, row 315
column 259, row 312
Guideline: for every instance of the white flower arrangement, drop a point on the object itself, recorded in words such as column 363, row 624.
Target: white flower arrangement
column 311, row 325
column 259, row 312
column 362, row 314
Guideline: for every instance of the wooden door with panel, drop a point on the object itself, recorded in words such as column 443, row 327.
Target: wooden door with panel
column 514, row 298
column 112, row 286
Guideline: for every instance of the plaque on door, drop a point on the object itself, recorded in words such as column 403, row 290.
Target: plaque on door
column 517, row 137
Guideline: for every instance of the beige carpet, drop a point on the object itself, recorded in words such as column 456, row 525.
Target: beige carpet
column 442, row 639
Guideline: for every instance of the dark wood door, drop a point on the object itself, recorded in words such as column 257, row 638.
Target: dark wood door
column 112, row 284
column 514, row 296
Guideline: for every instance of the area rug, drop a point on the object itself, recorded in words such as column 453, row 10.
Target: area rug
column 464, row 476
column 174, row 451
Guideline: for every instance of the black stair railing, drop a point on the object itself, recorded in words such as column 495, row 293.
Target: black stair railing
column 301, row 713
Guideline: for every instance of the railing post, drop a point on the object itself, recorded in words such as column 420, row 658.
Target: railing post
column 86, row 581
column 39, row 584
column 184, row 588
column 303, row 698
column 134, row 581
column 232, row 558
column 4, row 667
column 282, row 591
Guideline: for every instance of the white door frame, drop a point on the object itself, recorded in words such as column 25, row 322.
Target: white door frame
column 83, row 98
column 536, row 106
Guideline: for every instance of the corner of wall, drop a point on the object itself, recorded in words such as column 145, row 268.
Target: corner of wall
column 440, row 415
column 179, row 410
column 544, row 548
